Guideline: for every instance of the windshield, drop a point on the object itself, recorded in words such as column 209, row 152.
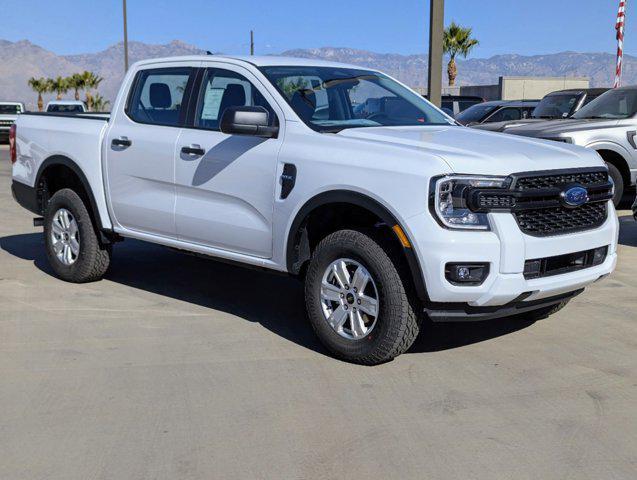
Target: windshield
column 614, row 104
column 65, row 108
column 475, row 113
column 331, row 99
column 556, row 106
column 10, row 109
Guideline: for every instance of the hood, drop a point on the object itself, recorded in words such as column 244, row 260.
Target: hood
column 502, row 126
column 471, row 151
column 8, row 116
column 554, row 128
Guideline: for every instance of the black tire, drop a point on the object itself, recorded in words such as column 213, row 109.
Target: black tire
column 398, row 321
column 93, row 258
column 616, row 175
column 542, row 313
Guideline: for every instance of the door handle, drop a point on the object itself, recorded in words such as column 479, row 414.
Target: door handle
column 121, row 142
column 193, row 150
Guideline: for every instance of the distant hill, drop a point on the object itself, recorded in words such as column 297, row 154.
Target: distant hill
column 21, row 60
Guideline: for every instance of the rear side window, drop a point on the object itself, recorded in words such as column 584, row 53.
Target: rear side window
column 158, row 96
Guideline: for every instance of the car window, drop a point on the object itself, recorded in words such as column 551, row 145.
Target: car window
column 556, row 106
column 330, row 99
column 475, row 113
column 614, row 104
column 221, row 89
column 158, row 96
column 61, row 108
column 505, row 115
column 10, row 109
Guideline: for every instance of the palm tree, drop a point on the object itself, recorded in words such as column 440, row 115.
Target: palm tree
column 457, row 41
column 76, row 82
column 60, row 85
column 99, row 103
column 40, row 86
column 91, row 82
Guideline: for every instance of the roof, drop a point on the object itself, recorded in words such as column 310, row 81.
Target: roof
column 576, row 91
column 66, row 102
column 511, row 103
column 256, row 60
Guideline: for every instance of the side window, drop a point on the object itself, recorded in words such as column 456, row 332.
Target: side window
column 221, row 89
column 307, row 96
column 158, row 96
column 505, row 115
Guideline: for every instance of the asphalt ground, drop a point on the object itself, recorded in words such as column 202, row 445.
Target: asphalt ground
column 176, row 367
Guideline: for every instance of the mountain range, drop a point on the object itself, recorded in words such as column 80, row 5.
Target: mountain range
column 21, row 60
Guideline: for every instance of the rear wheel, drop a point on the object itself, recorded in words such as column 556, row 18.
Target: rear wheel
column 357, row 301
column 72, row 246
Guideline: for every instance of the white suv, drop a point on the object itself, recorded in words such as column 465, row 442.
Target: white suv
column 385, row 207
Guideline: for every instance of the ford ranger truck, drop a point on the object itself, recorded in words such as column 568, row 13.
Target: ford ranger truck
column 386, row 209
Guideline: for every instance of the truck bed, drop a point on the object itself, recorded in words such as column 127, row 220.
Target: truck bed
column 43, row 137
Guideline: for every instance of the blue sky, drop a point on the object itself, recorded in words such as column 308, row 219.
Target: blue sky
column 397, row 26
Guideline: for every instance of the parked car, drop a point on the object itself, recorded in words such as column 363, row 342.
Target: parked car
column 66, row 106
column 386, row 215
column 9, row 112
column 454, row 104
column 607, row 125
column 497, row 111
column 554, row 106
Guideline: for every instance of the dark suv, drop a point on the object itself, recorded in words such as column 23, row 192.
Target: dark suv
column 497, row 111
column 554, row 106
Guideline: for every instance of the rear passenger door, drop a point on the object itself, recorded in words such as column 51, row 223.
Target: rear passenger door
column 140, row 150
column 226, row 183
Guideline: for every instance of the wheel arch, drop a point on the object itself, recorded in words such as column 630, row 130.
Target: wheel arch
column 297, row 251
column 57, row 161
column 616, row 155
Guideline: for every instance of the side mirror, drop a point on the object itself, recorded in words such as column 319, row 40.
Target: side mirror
column 247, row 121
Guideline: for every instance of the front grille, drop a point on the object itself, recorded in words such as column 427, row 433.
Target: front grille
column 550, row 181
column 562, row 220
column 6, row 123
column 539, row 203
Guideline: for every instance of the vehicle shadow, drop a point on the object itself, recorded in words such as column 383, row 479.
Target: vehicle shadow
column 274, row 301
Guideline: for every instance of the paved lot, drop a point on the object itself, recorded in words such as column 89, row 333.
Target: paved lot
column 175, row 367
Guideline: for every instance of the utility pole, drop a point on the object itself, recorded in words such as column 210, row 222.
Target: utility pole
column 436, row 32
column 125, row 39
column 251, row 42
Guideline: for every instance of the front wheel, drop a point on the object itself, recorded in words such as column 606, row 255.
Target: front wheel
column 357, row 302
column 618, row 180
column 72, row 246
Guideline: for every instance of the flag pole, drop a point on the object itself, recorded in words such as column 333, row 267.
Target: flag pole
column 619, row 27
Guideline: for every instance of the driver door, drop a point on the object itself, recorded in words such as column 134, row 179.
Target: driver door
column 226, row 183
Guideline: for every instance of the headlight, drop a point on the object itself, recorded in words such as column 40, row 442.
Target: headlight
column 449, row 201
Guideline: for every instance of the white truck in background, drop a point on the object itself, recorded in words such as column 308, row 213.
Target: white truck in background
column 9, row 112
column 66, row 106
column 389, row 213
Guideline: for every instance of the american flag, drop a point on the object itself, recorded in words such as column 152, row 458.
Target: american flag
column 619, row 26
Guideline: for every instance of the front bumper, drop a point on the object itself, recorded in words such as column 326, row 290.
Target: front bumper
column 506, row 249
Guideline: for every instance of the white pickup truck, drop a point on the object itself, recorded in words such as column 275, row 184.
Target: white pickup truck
column 387, row 209
column 9, row 112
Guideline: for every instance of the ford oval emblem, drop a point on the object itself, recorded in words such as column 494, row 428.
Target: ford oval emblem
column 575, row 196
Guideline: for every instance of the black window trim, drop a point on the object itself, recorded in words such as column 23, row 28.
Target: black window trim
column 186, row 98
column 196, row 97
